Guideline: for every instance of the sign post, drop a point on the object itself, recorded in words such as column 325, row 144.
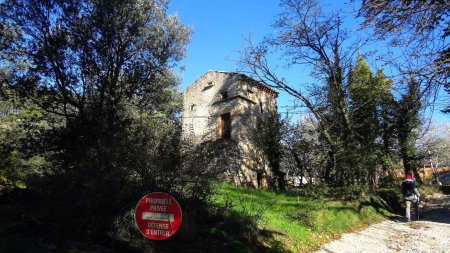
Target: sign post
column 158, row 216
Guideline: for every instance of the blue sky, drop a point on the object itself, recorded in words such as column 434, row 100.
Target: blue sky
column 219, row 28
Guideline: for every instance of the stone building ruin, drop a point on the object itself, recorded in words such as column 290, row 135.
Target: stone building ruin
column 222, row 110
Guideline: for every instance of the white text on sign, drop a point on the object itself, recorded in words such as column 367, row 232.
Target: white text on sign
column 158, row 201
column 157, row 232
column 158, row 216
column 158, row 225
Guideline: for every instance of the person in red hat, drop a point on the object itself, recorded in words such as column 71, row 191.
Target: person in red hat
column 410, row 194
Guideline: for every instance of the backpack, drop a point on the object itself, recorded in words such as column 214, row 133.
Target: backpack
column 408, row 187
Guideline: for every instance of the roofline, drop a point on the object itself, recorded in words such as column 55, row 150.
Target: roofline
column 256, row 83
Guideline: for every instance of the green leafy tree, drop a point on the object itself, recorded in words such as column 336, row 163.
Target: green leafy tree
column 100, row 71
column 408, row 122
column 387, row 117
column 373, row 119
column 363, row 96
column 268, row 138
column 21, row 125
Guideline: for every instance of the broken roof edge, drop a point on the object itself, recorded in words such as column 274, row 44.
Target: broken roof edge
column 247, row 78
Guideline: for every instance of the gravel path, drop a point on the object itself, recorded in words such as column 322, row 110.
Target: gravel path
column 430, row 234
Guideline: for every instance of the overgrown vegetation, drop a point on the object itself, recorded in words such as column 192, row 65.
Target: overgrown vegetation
column 89, row 122
column 361, row 127
column 296, row 221
column 238, row 220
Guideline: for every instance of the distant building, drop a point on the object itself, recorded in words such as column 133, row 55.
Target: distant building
column 427, row 170
column 224, row 107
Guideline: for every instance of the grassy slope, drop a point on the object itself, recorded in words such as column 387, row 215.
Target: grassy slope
column 290, row 223
column 245, row 220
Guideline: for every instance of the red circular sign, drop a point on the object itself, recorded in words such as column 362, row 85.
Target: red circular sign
column 158, row 216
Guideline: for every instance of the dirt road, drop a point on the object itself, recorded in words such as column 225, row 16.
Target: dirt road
column 430, row 234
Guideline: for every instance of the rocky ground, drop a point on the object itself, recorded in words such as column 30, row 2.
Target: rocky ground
column 430, row 234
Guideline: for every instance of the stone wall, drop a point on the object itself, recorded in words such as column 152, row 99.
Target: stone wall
column 218, row 93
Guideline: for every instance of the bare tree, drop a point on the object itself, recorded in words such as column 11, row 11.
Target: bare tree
column 307, row 36
column 419, row 30
column 435, row 145
column 303, row 159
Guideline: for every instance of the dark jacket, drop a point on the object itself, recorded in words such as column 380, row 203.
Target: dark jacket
column 409, row 190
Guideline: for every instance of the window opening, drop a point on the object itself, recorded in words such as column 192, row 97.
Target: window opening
column 259, row 177
column 208, row 86
column 225, row 125
column 224, row 94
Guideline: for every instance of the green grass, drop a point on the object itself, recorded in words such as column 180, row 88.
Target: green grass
column 427, row 190
column 289, row 223
column 239, row 220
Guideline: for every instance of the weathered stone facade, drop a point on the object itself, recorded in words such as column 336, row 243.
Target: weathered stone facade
column 224, row 107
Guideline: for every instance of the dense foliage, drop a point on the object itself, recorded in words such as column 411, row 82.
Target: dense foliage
column 97, row 124
column 21, row 127
column 89, row 123
column 267, row 138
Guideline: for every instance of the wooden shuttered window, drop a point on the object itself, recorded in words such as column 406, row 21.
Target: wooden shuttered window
column 224, row 126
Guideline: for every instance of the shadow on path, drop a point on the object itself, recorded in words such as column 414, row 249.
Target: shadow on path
column 436, row 209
